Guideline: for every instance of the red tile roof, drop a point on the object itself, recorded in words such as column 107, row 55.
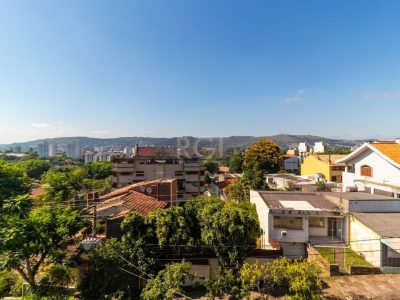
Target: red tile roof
column 126, row 189
column 156, row 152
column 132, row 201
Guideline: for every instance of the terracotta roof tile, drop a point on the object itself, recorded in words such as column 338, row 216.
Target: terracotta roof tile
column 133, row 201
column 391, row 150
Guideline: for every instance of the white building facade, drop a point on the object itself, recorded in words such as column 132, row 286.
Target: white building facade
column 373, row 168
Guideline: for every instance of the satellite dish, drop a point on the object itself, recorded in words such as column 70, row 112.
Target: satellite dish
column 149, row 190
column 142, row 189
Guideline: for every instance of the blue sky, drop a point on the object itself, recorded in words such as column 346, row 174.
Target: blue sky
column 202, row 68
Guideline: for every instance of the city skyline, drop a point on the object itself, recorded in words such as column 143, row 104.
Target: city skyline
column 179, row 68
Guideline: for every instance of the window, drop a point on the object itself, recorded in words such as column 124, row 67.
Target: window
column 334, row 178
column 126, row 173
column 366, row 171
column 316, row 222
column 140, row 173
column 338, row 168
column 350, row 169
column 294, row 223
column 192, row 172
column 178, row 173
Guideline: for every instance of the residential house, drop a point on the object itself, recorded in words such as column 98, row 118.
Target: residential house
column 324, row 166
column 164, row 189
column 294, row 219
column 373, row 168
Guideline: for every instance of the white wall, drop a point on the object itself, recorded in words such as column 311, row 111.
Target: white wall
column 292, row 236
column 365, row 241
column 382, row 171
column 263, row 215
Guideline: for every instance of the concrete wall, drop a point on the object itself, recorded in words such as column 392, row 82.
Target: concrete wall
column 365, row 241
column 263, row 217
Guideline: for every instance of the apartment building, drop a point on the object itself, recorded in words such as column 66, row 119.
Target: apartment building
column 149, row 163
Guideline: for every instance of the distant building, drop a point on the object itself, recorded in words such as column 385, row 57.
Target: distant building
column 73, row 150
column 324, row 167
column 148, row 163
column 303, row 148
column 374, row 168
column 319, row 147
column 52, row 150
column 91, row 157
column 291, row 164
column 43, row 149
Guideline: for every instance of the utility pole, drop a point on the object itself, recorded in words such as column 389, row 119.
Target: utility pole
column 94, row 229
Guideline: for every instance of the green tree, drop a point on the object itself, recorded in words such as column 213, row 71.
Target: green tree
column 168, row 283
column 255, row 178
column 107, row 278
column 98, row 170
column 211, row 166
column 171, row 226
column 34, row 168
column 61, row 186
column 236, row 162
column 13, row 181
column 239, row 190
column 264, row 154
column 31, row 236
column 226, row 284
column 231, row 229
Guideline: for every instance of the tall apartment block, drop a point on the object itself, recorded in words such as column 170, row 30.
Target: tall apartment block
column 149, row 163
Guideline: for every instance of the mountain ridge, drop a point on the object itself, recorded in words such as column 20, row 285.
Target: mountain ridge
column 284, row 140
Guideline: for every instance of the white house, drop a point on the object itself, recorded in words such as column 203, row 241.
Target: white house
column 294, row 219
column 374, row 168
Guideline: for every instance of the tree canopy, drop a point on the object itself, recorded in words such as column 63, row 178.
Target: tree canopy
column 34, row 168
column 264, row 154
column 236, row 162
column 13, row 181
column 29, row 236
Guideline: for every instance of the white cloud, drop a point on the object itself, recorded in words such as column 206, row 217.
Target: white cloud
column 381, row 95
column 292, row 99
column 40, row 125
column 296, row 97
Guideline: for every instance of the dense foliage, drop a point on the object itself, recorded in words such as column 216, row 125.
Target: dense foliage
column 230, row 229
column 13, row 181
column 168, row 283
column 29, row 236
column 282, row 276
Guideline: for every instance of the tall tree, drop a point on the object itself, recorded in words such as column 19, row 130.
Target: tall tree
column 13, row 181
column 28, row 236
column 236, row 162
column 34, row 168
column 264, row 155
column 231, row 229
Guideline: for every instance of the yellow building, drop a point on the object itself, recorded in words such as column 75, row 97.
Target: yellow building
column 323, row 164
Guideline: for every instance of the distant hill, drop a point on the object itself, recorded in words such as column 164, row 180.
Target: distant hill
column 232, row 142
